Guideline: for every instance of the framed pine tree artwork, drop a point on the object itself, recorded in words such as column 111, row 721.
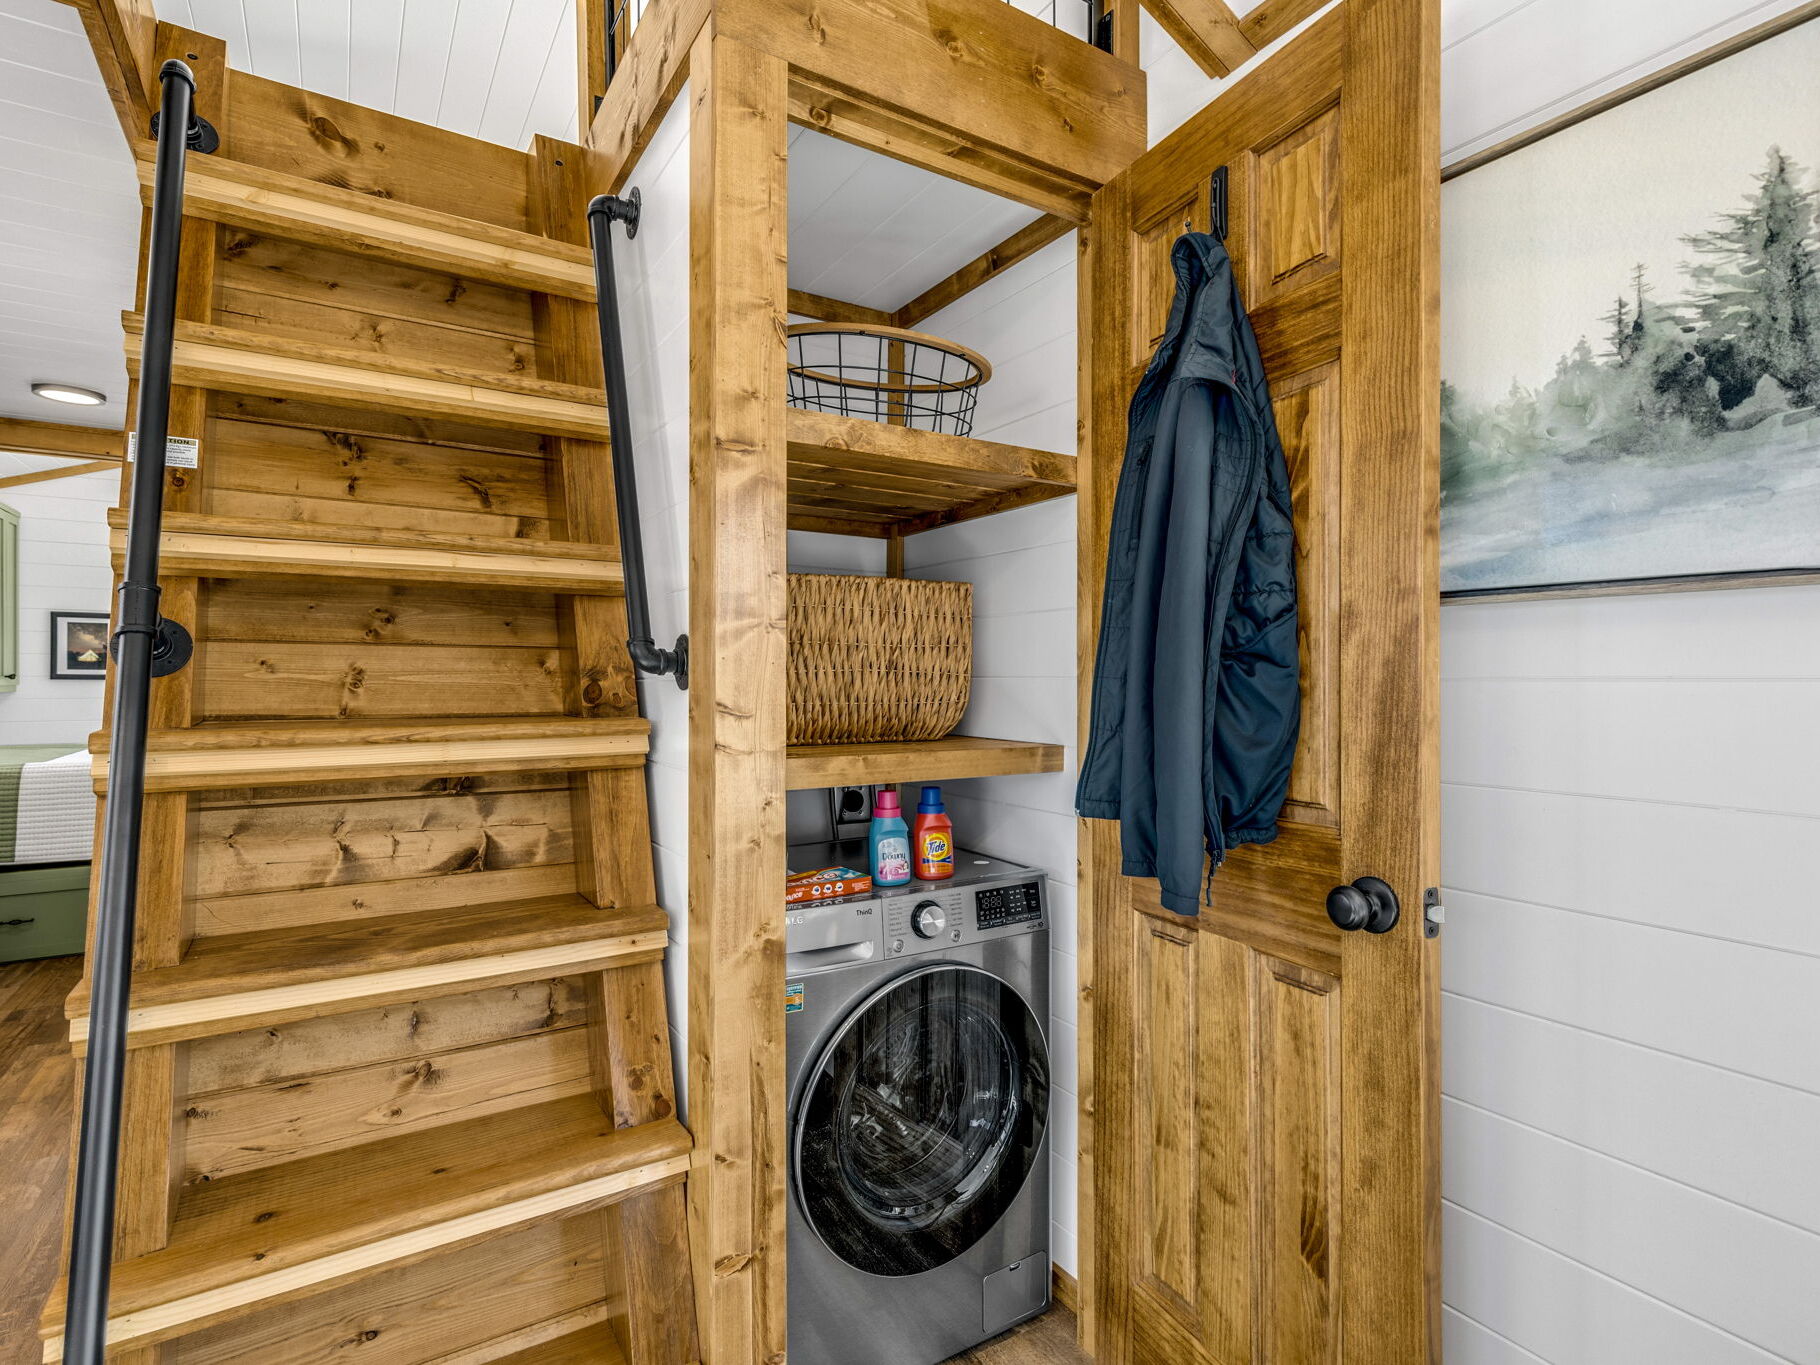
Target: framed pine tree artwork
column 1631, row 338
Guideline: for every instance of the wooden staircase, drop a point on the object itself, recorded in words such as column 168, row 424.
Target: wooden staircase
column 399, row 1079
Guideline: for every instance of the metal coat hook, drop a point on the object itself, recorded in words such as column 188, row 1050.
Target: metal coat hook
column 1217, row 203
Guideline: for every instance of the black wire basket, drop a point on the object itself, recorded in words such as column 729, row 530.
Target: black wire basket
column 886, row 374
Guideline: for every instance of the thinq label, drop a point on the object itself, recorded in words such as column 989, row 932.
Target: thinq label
column 180, row 452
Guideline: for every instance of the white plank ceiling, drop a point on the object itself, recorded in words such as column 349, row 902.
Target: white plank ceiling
column 69, row 220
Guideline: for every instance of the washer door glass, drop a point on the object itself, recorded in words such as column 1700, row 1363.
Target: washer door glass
column 921, row 1120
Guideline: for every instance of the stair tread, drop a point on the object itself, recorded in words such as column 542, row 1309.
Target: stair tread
column 592, row 1345
column 308, row 210
column 287, row 1230
column 319, row 533
column 242, row 963
column 240, row 360
column 279, row 753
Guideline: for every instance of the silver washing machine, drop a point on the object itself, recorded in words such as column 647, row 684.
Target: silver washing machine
column 919, row 1104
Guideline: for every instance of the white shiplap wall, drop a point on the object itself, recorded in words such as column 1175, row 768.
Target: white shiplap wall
column 1021, row 564
column 69, row 218
column 63, row 566
column 653, row 274
column 1632, row 959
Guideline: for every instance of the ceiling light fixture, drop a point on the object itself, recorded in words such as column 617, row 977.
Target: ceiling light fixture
column 69, row 393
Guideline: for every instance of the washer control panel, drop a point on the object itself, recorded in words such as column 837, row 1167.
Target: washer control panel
column 986, row 898
column 997, row 906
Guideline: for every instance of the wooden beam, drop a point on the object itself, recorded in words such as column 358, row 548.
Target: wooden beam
column 738, row 148
column 973, row 89
column 1272, row 19
column 1207, row 30
column 62, row 472
column 864, row 124
column 824, row 309
column 64, row 441
column 591, row 56
column 652, row 71
column 1020, row 245
column 121, row 32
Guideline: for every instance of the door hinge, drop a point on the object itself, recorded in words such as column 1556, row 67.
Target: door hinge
column 1434, row 914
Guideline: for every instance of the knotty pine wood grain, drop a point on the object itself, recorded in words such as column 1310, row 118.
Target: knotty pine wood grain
column 238, row 360
column 240, row 1130
column 350, row 841
column 274, row 1235
column 410, row 1032
column 738, row 300
column 243, row 680
column 301, row 133
column 548, row 1277
column 259, row 201
column 304, row 609
column 387, row 291
column 1390, row 790
column 1329, row 1015
column 966, row 71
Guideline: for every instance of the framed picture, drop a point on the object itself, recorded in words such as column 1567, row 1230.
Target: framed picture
column 78, row 644
column 1631, row 338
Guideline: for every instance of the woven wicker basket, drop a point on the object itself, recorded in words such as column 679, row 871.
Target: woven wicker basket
column 875, row 659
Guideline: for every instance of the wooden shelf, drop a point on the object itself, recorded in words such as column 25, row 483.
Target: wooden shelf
column 858, row 477
column 248, row 547
column 284, row 1232
column 291, row 207
column 267, row 754
column 237, row 360
column 234, row 982
column 958, row 756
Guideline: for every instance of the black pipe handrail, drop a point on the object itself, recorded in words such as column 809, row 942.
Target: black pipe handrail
column 144, row 645
column 603, row 212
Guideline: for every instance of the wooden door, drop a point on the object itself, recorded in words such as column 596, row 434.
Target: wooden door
column 1259, row 1089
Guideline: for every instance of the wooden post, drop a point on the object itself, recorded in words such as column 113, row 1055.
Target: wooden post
column 738, row 303
column 646, row 1254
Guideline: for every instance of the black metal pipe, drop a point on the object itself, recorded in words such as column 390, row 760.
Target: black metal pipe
column 135, row 629
column 603, row 212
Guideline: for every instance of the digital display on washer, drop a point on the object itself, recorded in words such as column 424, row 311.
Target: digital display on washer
column 998, row 906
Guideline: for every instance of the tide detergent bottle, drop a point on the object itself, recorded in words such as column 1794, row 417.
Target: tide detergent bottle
column 932, row 838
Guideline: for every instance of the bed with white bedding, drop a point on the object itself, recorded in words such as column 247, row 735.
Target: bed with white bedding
column 47, row 804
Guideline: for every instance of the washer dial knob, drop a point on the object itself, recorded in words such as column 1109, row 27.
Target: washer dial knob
column 928, row 920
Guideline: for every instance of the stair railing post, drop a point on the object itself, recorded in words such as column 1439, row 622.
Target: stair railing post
column 603, row 212
column 142, row 641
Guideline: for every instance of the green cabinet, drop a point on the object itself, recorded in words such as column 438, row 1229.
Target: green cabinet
column 9, row 599
column 43, row 911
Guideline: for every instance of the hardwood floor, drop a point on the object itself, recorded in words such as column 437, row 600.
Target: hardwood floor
column 37, row 1076
column 1048, row 1340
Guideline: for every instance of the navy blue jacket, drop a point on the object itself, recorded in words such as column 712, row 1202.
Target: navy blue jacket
column 1197, row 685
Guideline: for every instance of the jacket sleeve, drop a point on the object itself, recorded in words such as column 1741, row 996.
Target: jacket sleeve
column 1257, row 710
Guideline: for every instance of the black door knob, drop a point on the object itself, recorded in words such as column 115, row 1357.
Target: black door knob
column 1368, row 904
